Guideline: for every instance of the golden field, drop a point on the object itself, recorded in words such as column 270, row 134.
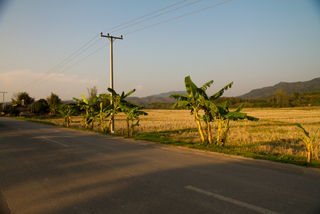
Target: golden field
column 275, row 132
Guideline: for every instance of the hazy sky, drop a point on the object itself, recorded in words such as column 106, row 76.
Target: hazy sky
column 255, row 43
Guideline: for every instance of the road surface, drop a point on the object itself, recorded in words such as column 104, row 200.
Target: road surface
column 47, row 169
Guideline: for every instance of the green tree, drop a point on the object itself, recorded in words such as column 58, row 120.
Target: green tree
column 192, row 100
column 22, row 98
column 92, row 93
column 132, row 112
column 41, row 107
column 90, row 113
column 224, row 116
column 104, row 113
column 67, row 111
column 116, row 100
column 210, row 109
column 53, row 101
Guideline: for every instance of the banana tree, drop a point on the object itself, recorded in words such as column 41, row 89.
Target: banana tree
column 192, row 100
column 103, row 114
column 116, row 101
column 308, row 141
column 90, row 113
column 132, row 112
column 67, row 111
column 210, row 109
column 224, row 117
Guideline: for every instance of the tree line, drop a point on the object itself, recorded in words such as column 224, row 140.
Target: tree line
column 95, row 108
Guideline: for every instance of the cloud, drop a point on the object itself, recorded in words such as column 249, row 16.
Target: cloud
column 40, row 85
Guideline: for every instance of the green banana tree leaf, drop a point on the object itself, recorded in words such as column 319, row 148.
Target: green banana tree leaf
column 206, row 85
column 179, row 96
column 239, row 108
column 224, row 105
column 79, row 101
column 314, row 135
column 180, row 103
column 107, row 96
column 136, row 124
column 210, row 105
column 190, row 87
column 235, row 115
column 220, row 93
column 127, row 94
column 305, row 132
column 202, row 93
column 84, row 99
column 252, row 118
column 113, row 92
column 94, row 100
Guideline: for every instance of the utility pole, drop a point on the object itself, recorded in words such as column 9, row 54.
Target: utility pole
column 3, row 99
column 111, row 38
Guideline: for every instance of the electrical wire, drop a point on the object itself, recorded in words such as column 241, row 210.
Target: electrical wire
column 64, row 62
column 157, row 15
column 59, row 65
column 144, row 16
column 75, row 55
column 176, row 17
column 70, row 66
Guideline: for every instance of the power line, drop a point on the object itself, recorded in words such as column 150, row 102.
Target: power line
column 64, row 62
column 176, row 17
column 60, row 65
column 158, row 15
column 70, row 66
column 73, row 56
column 143, row 16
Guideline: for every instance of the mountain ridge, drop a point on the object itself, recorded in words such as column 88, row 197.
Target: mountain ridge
column 289, row 88
column 260, row 93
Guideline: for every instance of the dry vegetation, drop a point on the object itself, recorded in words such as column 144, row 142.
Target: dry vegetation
column 275, row 132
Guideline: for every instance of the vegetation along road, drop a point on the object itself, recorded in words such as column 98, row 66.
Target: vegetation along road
column 47, row 169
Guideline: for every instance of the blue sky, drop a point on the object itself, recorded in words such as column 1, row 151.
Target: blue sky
column 255, row 43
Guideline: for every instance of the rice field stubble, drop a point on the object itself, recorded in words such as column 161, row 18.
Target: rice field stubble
column 275, row 135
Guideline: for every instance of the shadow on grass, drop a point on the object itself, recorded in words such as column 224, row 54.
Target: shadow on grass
column 245, row 150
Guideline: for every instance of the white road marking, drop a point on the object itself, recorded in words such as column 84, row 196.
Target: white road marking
column 230, row 200
column 54, row 141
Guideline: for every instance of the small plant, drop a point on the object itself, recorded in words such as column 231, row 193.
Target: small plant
column 67, row 111
column 90, row 115
column 308, row 141
column 103, row 114
column 132, row 113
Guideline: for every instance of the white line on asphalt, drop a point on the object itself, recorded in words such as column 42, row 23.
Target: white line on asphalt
column 54, row 141
column 230, row 200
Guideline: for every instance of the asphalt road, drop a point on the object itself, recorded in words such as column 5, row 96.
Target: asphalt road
column 46, row 169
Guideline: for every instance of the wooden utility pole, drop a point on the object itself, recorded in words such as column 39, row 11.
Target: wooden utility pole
column 111, row 38
column 3, row 99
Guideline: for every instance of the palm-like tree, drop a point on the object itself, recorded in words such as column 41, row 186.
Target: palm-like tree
column 117, row 100
column 67, row 111
column 84, row 104
column 132, row 112
column 192, row 100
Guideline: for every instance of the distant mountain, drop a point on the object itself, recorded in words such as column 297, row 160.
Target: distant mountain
column 167, row 94
column 289, row 88
column 163, row 97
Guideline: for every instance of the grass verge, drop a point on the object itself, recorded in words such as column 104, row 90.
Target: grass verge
column 240, row 150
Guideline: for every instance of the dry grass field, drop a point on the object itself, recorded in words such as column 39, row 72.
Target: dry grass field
column 275, row 132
